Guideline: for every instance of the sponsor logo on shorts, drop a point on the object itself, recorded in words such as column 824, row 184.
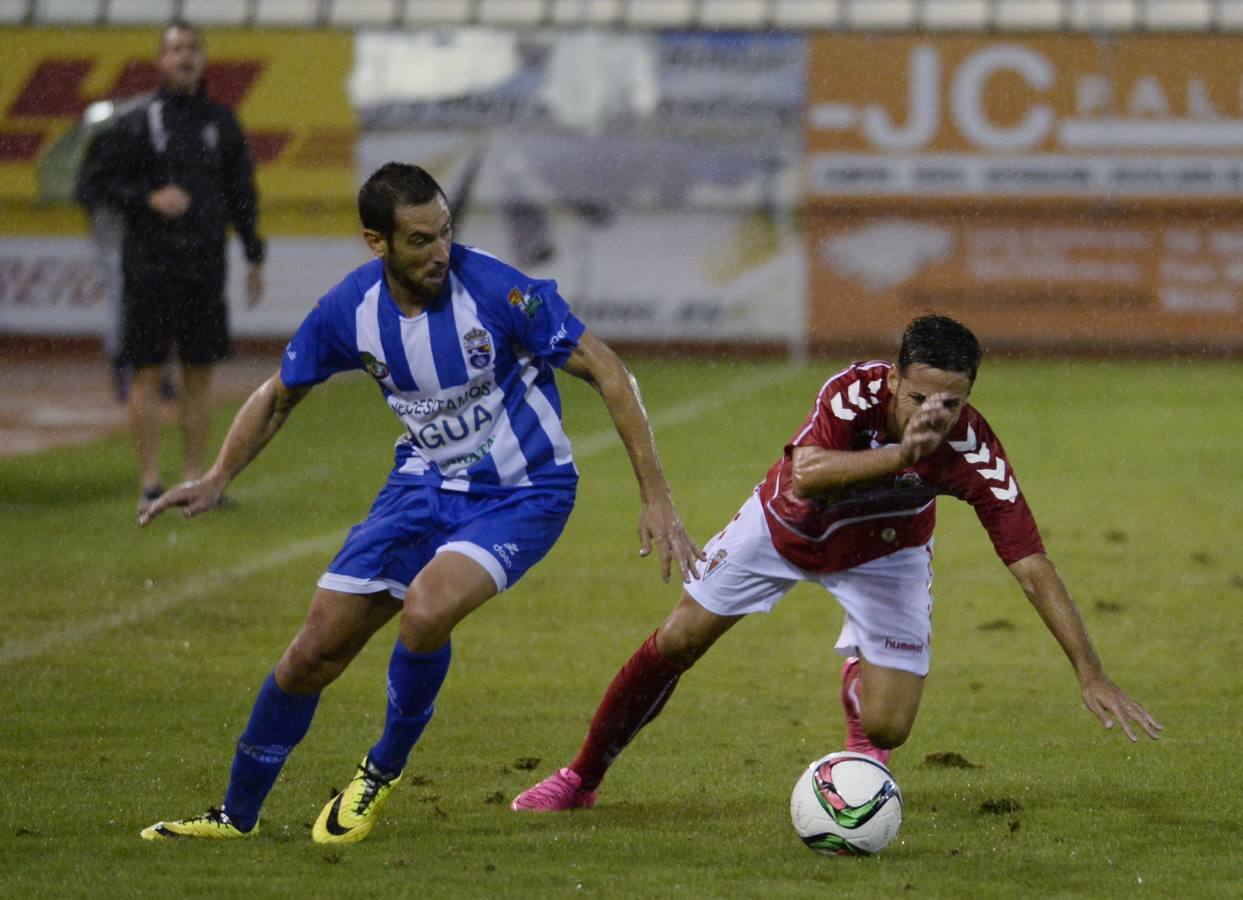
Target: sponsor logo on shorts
column 375, row 368
column 904, row 646
column 478, row 346
column 715, row 562
column 505, row 551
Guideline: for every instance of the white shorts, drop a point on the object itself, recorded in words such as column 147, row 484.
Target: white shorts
column 888, row 601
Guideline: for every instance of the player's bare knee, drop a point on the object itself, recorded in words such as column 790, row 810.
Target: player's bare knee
column 308, row 670
column 424, row 626
column 683, row 657
column 887, row 734
column 680, row 648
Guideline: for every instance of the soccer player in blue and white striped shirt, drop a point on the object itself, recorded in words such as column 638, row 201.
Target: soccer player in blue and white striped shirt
column 462, row 348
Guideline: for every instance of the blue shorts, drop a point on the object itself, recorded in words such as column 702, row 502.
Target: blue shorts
column 409, row 524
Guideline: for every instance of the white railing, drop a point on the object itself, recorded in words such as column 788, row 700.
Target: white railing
column 837, row 15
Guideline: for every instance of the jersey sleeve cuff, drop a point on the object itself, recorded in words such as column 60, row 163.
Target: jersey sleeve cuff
column 565, row 340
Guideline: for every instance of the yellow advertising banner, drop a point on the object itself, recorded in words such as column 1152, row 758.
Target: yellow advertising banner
column 1028, row 281
column 1072, row 118
column 288, row 89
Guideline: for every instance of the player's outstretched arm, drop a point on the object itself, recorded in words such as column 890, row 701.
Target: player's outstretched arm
column 260, row 417
column 1104, row 699
column 659, row 523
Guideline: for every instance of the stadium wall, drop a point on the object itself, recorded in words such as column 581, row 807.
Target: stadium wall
column 732, row 189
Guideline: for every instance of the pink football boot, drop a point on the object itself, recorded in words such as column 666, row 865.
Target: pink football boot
column 856, row 738
column 560, row 791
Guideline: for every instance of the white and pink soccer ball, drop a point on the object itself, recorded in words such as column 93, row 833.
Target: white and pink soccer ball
column 846, row 803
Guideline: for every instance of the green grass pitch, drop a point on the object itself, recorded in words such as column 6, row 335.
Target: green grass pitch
column 129, row 660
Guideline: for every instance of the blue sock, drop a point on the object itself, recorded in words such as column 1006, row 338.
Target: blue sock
column 277, row 722
column 414, row 680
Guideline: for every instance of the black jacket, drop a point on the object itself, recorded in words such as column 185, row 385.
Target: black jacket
column 190, row 141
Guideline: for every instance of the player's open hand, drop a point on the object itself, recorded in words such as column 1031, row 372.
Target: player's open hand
column 660, row 527
column 1110, row 704
column 927, row 428
column 193, row 497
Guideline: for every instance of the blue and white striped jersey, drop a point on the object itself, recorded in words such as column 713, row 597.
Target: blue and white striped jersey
column 470, row 377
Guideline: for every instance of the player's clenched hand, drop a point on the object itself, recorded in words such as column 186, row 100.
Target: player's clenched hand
column 170, row 201
column 1110, row 704
column 193, row 497
column 254, row 286
column 926, row 429
column 660, row 527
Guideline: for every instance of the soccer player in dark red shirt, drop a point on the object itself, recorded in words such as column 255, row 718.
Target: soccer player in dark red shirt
column 851, row 505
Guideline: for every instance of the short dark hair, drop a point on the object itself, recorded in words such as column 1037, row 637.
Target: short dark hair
column 942, row 343
column 390, row 186
column 181, row 25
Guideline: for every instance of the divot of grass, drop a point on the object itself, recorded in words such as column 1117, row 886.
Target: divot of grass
column 996, row 625
column 1000, row 806
column 948, row 759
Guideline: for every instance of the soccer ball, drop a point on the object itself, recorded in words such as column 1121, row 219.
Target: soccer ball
column 847, row 804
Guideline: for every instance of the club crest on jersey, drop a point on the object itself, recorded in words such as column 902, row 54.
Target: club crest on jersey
column 525, row 302
column 715, row 562
column 478, row 346
column 375, row 368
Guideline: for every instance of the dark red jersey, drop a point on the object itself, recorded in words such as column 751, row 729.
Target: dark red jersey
column 871, row 520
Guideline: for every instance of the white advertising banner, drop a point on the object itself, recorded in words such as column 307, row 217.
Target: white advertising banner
column 654, row 175
column 733, row 277
column 701, row 277
column 55, row 285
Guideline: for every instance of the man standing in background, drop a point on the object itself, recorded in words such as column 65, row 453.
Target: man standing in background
column 179, row 172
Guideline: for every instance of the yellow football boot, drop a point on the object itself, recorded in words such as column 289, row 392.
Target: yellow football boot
column 350, row 816
column 215, row 824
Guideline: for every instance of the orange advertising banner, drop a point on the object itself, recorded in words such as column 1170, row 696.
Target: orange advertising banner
column 1052, row 191
column 1031, row 282
column 288, row 89
column 1135, row 119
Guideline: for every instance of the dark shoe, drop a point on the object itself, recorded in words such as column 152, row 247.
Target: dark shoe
column 168, row 387
column 120, row 380
column 148, row 496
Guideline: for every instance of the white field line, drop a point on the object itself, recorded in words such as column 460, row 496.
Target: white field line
column 150, row 606
column 16, row 650
column 683, row 412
